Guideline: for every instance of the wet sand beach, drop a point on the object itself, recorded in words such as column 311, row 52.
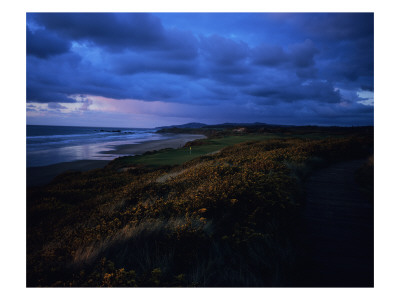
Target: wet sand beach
column 135, row 149
column 36, row 176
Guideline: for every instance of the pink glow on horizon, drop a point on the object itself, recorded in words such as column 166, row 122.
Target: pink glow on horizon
column 132, row 106
column 89, row 110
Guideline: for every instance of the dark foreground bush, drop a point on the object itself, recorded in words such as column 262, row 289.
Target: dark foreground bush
column 228, row 220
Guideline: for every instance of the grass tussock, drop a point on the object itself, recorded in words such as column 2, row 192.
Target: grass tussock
column 226, row 219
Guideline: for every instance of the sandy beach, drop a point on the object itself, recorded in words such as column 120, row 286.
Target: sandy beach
column 36, row 176
column 176, row 141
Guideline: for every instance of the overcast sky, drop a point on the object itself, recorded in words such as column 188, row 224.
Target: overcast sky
column 148, row 70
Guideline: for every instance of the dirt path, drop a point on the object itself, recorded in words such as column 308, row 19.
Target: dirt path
column 168, row 176
column 338, row 232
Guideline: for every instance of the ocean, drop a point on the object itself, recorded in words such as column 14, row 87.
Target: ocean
column 48, row 145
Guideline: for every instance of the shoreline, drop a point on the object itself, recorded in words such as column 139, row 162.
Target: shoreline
column 41, row 175
column 178, row 141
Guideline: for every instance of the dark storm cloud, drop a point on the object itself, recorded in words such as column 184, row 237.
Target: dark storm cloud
column 132, row 63
column 223, row 51
column 37, row 94
column 116, row 32
column 367, row 88
column 44, row 44
column 110, row 30
column 317, row 91
column 50, row 80
column 179, row 45
column 271, row 56
column 353, row 60
column 224, row 60
column 302, row 54
column 314, row 63
column 344, row 41
column 299, row 55
column 336, row 27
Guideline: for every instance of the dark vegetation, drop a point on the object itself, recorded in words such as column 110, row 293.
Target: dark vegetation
column 228, row 215
column 197, row 148
column 229, row 129
column 365, row 178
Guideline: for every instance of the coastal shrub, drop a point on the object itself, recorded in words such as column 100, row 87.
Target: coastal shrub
column 365, row 178
column 227, row 219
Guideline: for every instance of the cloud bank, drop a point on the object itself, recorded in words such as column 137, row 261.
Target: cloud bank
column 274, row 68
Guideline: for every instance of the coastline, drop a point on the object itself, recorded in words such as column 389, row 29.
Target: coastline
column 177, row 141
column 37, row 176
